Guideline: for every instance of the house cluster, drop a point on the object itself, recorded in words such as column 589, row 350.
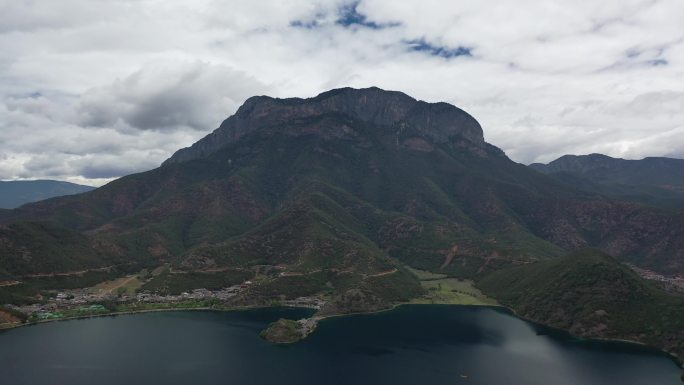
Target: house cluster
column 83, row 299
column 197, row 294
column 673, row 283
column 87, row 301
column 307, row 302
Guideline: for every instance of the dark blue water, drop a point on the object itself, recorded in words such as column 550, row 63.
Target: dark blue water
column 411, row 345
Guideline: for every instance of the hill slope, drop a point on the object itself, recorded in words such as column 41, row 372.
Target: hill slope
column 592, row 295
column 16, row 193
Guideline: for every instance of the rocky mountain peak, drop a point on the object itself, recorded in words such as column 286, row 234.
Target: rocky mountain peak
column 436, row 122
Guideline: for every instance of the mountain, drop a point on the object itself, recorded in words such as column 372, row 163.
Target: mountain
column 592, row 295
column 16, row 193
column 654, row 181
column 436, row 122
column 337, row 193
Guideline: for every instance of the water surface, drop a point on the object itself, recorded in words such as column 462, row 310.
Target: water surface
column 410, row 345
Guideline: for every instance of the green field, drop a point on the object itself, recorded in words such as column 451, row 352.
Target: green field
column 425, row 275
column 124, row 285
column 448, row 291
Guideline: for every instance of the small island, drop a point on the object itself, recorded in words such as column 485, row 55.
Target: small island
column 286, row 331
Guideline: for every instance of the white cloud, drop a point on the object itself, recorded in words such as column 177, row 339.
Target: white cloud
column 91, row 90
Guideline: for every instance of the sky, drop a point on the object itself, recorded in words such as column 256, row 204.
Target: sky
column 92, row 90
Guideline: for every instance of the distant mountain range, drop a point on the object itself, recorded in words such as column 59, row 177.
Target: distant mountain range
column 16, row 193
column 338, row 193
column 653, row 181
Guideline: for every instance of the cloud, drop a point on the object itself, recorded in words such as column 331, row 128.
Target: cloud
column 39, row 143
column 93, row 90
column 160, row 97
column 27, row 16
column 420, row 45
column 622, row 128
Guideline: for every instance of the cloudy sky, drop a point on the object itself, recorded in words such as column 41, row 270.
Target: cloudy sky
column 91, row 90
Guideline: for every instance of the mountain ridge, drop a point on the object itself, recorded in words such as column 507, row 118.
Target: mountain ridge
column 655, row 181
column 384, row 108
column 16, row 193
column 600, row 163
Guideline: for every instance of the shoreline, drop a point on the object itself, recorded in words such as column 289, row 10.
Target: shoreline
column 679, row 361
column 16, row 325
column 318, row 318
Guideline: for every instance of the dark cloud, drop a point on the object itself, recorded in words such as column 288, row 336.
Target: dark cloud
column 658, row 62
column 420, row 45
column 196, row 96
column 306, row 24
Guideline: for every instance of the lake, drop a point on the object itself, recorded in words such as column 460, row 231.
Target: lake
column 410, row 345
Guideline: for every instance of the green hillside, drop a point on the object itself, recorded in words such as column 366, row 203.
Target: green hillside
column 592, row 295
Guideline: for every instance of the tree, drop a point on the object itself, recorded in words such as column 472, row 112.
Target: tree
column 121, row 291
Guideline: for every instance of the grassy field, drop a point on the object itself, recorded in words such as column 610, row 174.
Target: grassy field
column 425, row 275
column 130, row 283
column 124, row 285
column 449, row 291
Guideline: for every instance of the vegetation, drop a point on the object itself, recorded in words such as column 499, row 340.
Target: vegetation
column 399, row 286
column 18, row 295
column 129, row 284
column 653, row 181
column 453, row 291
column 292, row 286
column 36, row 289
column 8, row 315
column 283, row 331
column 424, row 275
column 74, row 281
column 593, row 295
column 178, row 282
column 42, row 247
column 439, row 289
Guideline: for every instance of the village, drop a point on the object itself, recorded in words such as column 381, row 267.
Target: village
column 84, row 302
column 669, row 284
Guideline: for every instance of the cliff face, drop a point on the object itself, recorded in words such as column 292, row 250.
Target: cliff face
column 387, row 110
